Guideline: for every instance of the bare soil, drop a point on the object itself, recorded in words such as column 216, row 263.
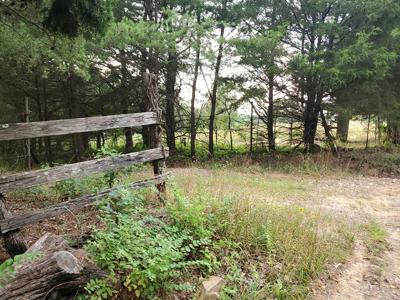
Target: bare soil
column 364, row 199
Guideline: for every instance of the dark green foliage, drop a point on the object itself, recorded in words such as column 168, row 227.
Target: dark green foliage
column 72, row 17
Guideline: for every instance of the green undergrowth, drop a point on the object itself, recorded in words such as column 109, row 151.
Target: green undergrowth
column 72, row 188
column 382, row 160
column 146, row 253
column 373, row 161
column 237, row 218
column 261, row 250
column 216, row 221
column 281, row 161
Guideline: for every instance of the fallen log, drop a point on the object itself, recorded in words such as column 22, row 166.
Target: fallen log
column 58, row 273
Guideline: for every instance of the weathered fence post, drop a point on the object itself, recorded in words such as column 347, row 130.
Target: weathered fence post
column 13, row 240
column 155, row 131
column 9, row 225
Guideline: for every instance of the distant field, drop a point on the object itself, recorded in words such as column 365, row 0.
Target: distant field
column 241, row 137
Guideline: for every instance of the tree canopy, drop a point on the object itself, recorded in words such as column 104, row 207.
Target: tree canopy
column 305, row 62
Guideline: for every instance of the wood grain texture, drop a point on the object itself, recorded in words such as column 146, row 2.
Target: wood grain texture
column 150, row 82
column 33, row 178
column 57, row 273
column 14, row 242
column 12, row 223
column 69, row 126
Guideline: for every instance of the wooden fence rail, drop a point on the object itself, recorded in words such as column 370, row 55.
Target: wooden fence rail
column 10, row 225
column 34, row 178
column 18, row 221
column 19, row 131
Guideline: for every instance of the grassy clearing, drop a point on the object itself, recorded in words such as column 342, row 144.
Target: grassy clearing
column 253, row 183
column 234, row 218
column 238, row 216
column 268, row 251
column 265, row 248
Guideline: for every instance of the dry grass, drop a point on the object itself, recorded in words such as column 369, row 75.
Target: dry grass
column 268, row 243
column 260, row 186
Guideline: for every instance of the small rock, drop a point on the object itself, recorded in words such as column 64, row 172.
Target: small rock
column 211, row 287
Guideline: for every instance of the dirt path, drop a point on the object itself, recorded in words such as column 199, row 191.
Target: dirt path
column 363, row 199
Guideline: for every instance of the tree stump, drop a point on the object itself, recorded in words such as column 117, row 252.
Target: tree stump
column 58, row 273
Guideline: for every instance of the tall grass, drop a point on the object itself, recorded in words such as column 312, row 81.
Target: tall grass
column 265, row 250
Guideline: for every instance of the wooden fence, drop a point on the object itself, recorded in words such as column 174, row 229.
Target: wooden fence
column 10, row 225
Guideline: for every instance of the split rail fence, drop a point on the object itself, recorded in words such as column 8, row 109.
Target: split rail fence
column 10, row 224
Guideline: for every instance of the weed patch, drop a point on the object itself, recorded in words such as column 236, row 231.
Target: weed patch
column 263, row 250
column 146, row 257
column 375, row 239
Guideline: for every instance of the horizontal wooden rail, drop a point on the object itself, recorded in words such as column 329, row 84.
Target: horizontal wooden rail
column 33, row 178
column 36, row 216
column 61, row 127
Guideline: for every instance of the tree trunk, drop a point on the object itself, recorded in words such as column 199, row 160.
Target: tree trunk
column 251, row 129
column 98, row 141
column 329, row 136
column 368, row 129
column 394, row 132
column 75, row 111
column 193, row 100
column 172, row 71
column 125, row 101
column 144, row 105
column 379, row 126
column 314, row 100
column 270, row 121
column 58, row 273
column 47, row 140
column 396, row 135
column 214, row 94
column 291, row 132
column 230, row 129
column 40, row 113
column 343, row 124
column 271, row 77
column 28, row 141
column 314, row 95
column 155, row 132
column 128, row 140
